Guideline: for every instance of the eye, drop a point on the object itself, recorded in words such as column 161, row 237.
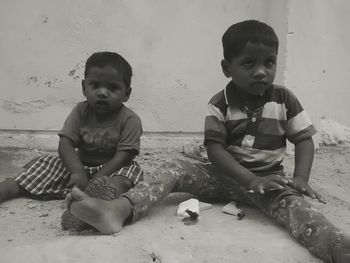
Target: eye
column 93, row 85
column 248, row 63
column 270, row 62
column 113, row 88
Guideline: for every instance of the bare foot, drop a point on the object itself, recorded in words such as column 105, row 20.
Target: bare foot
column 101, row 187
column 341, row 251
column 106, row 216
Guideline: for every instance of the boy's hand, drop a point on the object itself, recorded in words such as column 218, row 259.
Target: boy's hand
column 267, row 183
column 300, row 184
column 79, row 180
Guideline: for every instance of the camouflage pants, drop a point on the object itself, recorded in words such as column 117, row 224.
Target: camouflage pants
column 287, row 207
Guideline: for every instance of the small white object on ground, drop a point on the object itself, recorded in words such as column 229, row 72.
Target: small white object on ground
column 190, row 204
column 232, row 209
column 204, row 206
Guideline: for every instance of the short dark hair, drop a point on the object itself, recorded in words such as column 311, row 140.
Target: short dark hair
column 102, row 59
column 236, row 37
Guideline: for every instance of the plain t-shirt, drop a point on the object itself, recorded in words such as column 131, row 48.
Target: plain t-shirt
column 98, row 142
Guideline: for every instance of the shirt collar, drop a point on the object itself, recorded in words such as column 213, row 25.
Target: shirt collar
column 234, row 99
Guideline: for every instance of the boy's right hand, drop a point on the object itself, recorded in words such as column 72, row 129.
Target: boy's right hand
column 267, row 183
column 79, row 180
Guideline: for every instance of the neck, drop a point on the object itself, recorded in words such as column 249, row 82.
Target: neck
column 253, row 101
column 107, row 117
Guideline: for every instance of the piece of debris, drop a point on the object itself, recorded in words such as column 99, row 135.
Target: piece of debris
column 232, row 209
column 204, row 206
column 31, row 205
column 153, row 251
column 193, row 215
column 193, row 219
column 44, row 215
column 191, row 205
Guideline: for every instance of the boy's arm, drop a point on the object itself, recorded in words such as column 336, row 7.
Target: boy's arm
column 69, row 137
column 70, row 159
column 304, row 155
column 225, row 161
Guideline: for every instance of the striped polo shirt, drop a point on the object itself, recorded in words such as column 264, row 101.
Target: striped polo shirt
column 257, row 138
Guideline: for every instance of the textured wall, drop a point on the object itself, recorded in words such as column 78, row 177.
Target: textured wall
column 318, row 57
column 173, row 46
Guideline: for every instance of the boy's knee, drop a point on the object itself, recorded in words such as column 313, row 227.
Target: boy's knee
column 287, row 193
column 281, row 198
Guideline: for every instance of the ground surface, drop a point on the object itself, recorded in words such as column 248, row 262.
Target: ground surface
column 30, row 230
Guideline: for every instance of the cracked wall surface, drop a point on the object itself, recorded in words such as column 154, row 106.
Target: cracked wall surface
column 175, row 50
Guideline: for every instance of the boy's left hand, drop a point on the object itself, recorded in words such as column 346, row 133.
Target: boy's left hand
column 301, row 185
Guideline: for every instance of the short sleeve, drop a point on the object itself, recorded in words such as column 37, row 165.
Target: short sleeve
column 215, row 130
column 130, row 134
column 71, row 126
column 299, row 124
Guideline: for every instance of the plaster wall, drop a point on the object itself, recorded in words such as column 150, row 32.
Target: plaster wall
column 173, row 46
column 175, row 50
column 318, row 57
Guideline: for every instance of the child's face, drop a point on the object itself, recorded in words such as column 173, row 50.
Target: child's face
column 105, row 89
column 254, row 69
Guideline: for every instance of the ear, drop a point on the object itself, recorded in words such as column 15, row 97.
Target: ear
column 127, row 94
column 224, row 66
column 83, row 87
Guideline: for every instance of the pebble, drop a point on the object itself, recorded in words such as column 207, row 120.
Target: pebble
column 44, row 215
column 31, row 205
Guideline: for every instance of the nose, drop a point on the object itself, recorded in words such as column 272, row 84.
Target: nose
column 102, row 92
column 260, row 73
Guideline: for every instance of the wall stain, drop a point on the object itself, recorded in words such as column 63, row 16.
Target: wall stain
column 76, row 72
column 39, row 82
column 24, row 106
column 72, row 72
column 44, row 19
column 181, row 85
column 33, row 79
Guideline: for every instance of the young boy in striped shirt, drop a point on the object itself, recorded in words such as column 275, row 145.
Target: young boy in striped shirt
column 97, row 145
column 245, row 133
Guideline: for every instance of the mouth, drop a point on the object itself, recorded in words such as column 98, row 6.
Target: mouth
column 259, row 87
column 102, row 103
column 259, row 84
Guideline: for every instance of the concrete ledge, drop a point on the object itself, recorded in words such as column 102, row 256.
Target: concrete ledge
column 330, row 134
column 48, row 140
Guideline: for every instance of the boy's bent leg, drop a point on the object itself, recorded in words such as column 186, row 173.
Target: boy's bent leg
column 101, row 187
column 44, row 176
column 105, row 188
column 10, row 189
column 311, row 228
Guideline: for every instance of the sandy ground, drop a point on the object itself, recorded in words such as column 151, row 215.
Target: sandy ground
column 31, row 232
